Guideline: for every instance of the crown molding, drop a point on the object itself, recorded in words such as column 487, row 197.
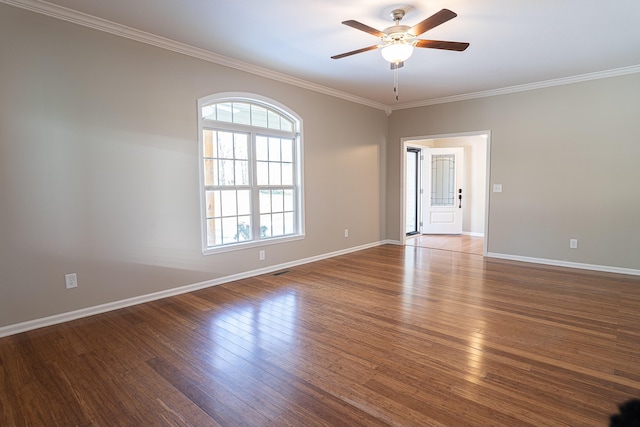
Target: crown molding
column 104, row 25
column 523, row 88
column 69, row 15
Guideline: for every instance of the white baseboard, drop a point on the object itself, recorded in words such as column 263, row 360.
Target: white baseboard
column 472, row 234
column 103, row 308
column 391, row 242
column 557, row 263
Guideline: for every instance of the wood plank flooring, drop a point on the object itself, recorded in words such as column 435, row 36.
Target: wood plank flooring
column 449, row 242
column 386, row 336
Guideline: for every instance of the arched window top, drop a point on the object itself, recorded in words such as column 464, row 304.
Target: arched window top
column 247, row 109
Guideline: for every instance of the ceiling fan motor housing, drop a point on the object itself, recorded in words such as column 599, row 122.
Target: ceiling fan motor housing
column 397, row 33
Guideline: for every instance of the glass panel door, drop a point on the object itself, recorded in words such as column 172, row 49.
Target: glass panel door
column 413, row 191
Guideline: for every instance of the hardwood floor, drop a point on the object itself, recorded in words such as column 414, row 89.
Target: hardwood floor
column 386, row 336
column 448, row 242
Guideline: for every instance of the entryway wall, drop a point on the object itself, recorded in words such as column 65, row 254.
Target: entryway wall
column 475, row 155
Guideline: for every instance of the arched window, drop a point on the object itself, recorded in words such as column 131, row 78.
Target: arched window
column 250, row 151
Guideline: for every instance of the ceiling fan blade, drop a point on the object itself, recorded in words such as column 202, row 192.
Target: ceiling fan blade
column 431, row 22
column 438, row 44
column 362, row 27
column 353, row 52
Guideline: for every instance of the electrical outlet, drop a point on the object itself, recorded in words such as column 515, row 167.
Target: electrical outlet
column 262, row 255
column 573, row 243
column 71, row 280
column 497, row 188
column 346, row 232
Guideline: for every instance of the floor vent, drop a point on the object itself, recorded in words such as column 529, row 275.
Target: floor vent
column 280, row 273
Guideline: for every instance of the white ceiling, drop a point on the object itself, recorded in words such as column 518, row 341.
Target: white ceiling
column 514, row 43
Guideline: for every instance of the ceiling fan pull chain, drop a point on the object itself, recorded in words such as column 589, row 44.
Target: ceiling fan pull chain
column 396, row 85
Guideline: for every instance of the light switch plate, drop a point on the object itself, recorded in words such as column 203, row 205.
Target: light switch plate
column 497, row 188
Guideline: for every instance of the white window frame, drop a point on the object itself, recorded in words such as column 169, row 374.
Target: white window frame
column 204, row 124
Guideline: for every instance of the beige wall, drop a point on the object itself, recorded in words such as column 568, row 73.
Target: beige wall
column 98, row 168
column 568, row 159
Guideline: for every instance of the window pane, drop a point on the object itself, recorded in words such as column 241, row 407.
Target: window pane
column 258, row 116
column 262, row 148
column 244, row 202
column 288, row 200
column 209, row 147
column 287, row 174
column 214, row 232
column 286, row 125
column 241, row 146
column 244, row 229
column 443, row 179
column 225, row 145
column 228, row 199
column 209, row 112
column 265, row 201
column 287, row 150
column 223, row 112
column 277, row 224
column 262, row 169
column 227, row 175
column 274, row 174
column 241, row 113
column 265, row 225
column 213, row 204
column 242, row 172
column 277, row 201
column 274, row 150
column 229, row 230
column 274, row 120
column 289, row 224
column 210, row 173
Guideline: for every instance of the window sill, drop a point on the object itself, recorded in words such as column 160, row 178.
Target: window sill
column 252, row 244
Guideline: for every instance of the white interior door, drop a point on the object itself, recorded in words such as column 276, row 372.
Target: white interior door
column 445, row 195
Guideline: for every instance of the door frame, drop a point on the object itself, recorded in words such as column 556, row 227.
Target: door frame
column 410, row 141
column 419, row 187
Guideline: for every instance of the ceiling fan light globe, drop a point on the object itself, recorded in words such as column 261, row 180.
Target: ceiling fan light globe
column 397, row 52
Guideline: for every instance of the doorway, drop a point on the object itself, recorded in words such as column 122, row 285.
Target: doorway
column 474, row 204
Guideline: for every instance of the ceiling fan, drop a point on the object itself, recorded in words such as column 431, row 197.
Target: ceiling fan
column 398, row 40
